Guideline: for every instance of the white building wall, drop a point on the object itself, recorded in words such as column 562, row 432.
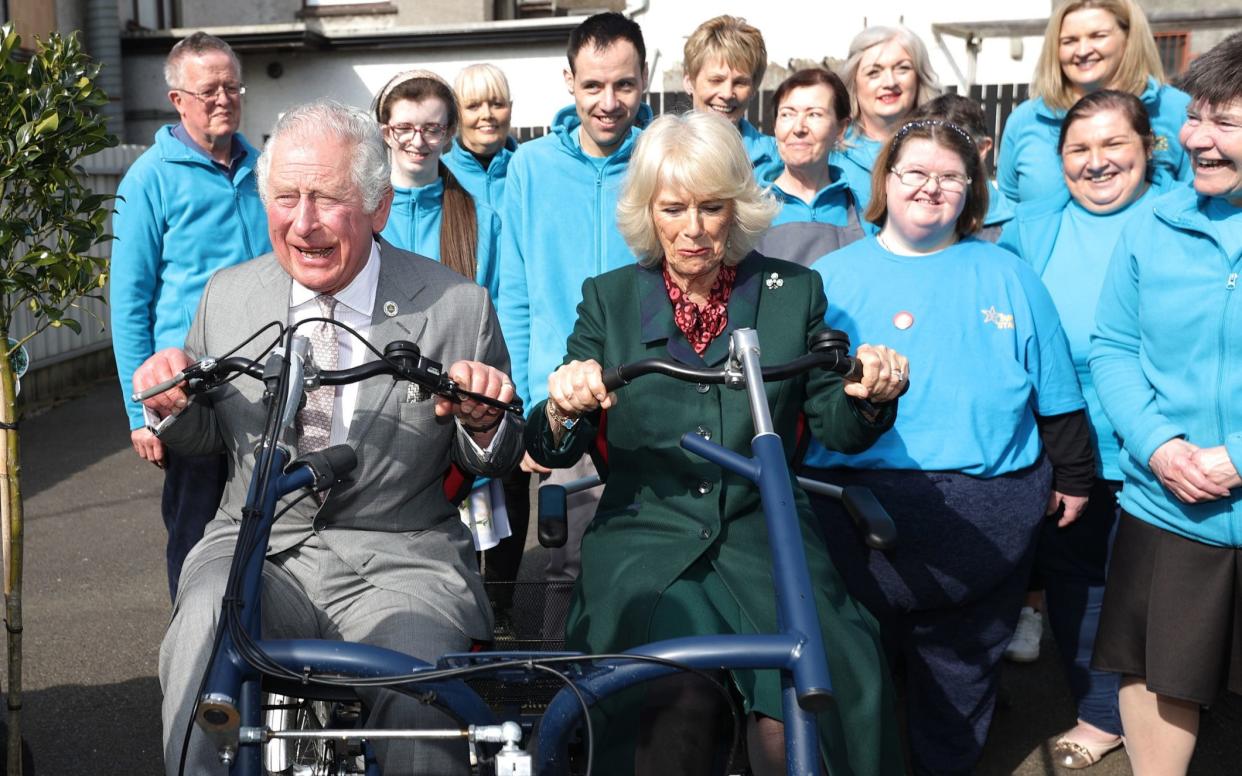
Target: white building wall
column 791, row 28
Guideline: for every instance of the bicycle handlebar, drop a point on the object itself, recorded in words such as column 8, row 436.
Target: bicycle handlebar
column 402, row 361
column 829, row 350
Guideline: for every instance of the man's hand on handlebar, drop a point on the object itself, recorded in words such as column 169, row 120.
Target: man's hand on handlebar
column 477, row 418
column 155, row 370
column 885, row 374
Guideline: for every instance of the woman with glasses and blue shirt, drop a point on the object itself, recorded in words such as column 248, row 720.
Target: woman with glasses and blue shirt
column 432, row 213
column 991, row 432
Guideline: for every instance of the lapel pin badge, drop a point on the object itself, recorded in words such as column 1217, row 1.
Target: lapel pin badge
column 390, row 309
column 774, row 281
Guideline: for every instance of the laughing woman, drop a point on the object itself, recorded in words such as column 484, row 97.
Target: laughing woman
column 432, row 214
column 1166, row 355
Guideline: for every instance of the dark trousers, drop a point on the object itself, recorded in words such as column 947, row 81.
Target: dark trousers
column 501, row 563
column 193, row 485
column 947, row 597
column 1070, row 563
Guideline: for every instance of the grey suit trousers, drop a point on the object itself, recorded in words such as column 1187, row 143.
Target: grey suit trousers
column 308, row 592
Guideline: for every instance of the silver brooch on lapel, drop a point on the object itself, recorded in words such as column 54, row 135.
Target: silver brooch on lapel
column 774, row 281
column 390, row 309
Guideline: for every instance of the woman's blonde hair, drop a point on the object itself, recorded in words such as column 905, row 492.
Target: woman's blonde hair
column 1140, row 59
column 702, row 155
column 483, row 81
column 929, row 84
column 739, row 44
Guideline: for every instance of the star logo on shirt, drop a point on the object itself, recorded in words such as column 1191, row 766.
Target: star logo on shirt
column 1002, row 320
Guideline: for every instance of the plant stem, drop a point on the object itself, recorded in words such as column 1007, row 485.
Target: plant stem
column 11, row 506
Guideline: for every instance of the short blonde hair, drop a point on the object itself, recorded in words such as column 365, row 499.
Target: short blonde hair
column 929, row 84
column 1140, row 58
column 483, row 81
column 739, row 44
column 702, row 155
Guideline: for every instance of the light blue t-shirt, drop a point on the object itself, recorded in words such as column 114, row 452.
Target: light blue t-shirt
column 1074, row 276
column 986, row 350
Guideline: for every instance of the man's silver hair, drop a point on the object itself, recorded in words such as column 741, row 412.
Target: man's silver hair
column 196, row 45
column 369, row 166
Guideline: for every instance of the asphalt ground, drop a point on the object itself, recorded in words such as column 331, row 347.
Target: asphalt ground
column 96, row 605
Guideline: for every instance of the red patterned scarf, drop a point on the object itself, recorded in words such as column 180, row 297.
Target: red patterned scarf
column 703, row 324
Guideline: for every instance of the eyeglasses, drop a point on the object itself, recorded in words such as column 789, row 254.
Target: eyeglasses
column 917, row 179
column 404, row 133
column 232, row 91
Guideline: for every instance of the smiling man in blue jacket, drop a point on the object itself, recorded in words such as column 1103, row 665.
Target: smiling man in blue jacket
column 186, row 208
column 560, row 223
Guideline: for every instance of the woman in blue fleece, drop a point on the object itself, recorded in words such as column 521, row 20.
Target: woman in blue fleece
column 479, row 156
column 1068, row 238
column 1166, row 358
column 888, row 74
column 1089, row 45
column 818, row 213
column 991, row 435
column 432, row 214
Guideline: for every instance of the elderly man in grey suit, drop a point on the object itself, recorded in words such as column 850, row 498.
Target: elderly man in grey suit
column 382, row 559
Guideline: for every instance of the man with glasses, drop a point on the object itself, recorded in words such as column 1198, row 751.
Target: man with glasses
column 186, row 208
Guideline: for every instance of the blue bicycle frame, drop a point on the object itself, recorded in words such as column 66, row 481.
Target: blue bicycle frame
column 798, row 650
column 230, row 711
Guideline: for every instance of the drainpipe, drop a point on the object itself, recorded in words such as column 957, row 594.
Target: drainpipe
column 103, row 42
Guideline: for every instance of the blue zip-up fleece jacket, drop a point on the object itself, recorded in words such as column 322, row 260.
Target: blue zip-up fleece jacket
column 1069, row 247
column 760, row 148
column 802, row 232
column 1028, row 167
column 856, row 157
column 414, row 226
column 486, row 186
column 560, row 228
column 1166, row 355
column 179, row 218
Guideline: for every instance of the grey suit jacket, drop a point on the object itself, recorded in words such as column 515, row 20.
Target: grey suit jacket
column 391, row 522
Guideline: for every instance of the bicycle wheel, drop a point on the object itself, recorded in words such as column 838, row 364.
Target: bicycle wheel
column 299, row 756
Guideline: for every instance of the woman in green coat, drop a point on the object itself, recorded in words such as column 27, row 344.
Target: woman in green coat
column 679, row 547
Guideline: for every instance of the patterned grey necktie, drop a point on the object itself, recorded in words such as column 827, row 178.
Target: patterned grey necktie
column 315, row 419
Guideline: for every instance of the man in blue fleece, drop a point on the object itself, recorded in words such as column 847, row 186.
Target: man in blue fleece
column 186, row 208
column 560, row 220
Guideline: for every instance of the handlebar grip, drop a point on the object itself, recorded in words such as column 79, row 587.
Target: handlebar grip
column 553, row 516
column 612, row 379
column 855, row 372
column 155, row 390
